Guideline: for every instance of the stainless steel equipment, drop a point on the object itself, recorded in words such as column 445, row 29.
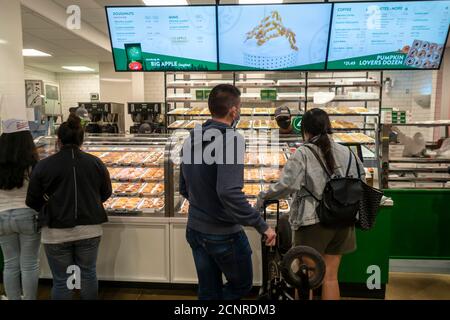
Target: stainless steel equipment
column 146, row 117
column 105, row 117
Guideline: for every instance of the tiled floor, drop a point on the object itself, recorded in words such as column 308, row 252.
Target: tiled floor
column 402, row 286
column 418, row 286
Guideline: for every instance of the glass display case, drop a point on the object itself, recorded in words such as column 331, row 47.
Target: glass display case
column 144, row 169
column 263, row 161
column 136, row 165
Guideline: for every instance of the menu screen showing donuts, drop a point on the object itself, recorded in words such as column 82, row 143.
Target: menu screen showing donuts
column 388, row 35
column 273, row 37
column 163, row 38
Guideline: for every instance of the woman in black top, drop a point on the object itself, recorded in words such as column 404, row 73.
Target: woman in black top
column 68, row 190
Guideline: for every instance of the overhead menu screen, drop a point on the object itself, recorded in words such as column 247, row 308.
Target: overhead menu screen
column 163, row 38
column 273, row 37
column 388, row 35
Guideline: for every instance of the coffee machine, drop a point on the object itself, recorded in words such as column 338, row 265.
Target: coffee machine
column 146, row 116
column 105, row 117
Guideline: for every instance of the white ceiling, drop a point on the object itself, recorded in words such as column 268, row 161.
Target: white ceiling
column 68, row 48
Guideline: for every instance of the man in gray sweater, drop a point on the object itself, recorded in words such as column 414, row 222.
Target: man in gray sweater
column 211, row 179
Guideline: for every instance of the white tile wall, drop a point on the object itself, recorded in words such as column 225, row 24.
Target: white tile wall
column 154, row 87
column 407, row 86
column 32, row 73
column 76, row 88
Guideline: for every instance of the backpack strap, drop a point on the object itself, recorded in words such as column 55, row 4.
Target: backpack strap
column 349, row 163
column 318, row 159
column 311, row 194
column 352, row 155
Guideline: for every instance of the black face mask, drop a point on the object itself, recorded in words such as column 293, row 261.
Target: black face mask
column 284, row 123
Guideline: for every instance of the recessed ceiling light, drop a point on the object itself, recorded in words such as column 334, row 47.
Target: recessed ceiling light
column 115, row 80
column 165, row 2
column 78, row 68
column 259, row 1
column 34, row 53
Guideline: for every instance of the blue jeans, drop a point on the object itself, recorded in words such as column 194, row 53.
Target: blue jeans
column 215, row 255
column 20, row 243
column 81, row 253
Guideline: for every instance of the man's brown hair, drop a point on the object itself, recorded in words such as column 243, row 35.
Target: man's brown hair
column 222, row 98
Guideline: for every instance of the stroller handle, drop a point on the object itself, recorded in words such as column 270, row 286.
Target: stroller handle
column 268, row 203
column 265, row 205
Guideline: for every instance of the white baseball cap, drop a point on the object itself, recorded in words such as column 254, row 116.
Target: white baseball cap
column 15, row 125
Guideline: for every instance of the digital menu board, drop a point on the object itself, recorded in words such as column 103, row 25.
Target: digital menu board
column 388, row 35
column 177, row 38
column 273, row 37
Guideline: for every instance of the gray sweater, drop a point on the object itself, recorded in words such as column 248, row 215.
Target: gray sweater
column 303, row 170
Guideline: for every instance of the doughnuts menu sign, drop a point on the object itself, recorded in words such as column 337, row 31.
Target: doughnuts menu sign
column 388, row 35
column 163, row 38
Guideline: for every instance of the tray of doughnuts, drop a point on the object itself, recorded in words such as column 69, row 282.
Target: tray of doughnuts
column 252, row 174
column 272, row 208
column 151, row 204
column 126, row 204
column 152, row 189
column 251, row 159
column 113, row 172
column 133, row 158
column 111, row 158
column 271, row 174
column 154, row 158
column 97, row 154
column 130, row 174
column 273, row 159
column 108, row 203
column 153, row 174
column 251, row 189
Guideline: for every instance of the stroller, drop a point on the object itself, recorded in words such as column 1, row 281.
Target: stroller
column 286, row 268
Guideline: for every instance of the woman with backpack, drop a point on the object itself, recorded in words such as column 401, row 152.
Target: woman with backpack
column 19, row 238
column 68, row 189
column 305, row 177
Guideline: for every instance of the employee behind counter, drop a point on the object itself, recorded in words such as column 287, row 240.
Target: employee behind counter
column 284, row 118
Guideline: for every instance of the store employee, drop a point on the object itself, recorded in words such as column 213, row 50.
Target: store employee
column 284, row 119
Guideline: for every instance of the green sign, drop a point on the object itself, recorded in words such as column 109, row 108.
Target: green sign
column 297, row 124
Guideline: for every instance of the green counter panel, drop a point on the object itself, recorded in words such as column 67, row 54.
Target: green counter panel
column 372, row 250
column 420, row 224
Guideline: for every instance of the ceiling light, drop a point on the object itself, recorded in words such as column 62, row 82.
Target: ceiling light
column 115, row 80
column 259, row 1
column 34, row 53
column 78, row 68
column 165, row 2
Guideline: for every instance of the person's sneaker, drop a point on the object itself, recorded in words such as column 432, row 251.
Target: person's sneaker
column 3, row 297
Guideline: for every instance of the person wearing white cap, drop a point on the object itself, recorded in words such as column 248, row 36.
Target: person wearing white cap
column 19, row 238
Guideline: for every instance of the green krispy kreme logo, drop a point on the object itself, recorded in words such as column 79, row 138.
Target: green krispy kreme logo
column 297, row 124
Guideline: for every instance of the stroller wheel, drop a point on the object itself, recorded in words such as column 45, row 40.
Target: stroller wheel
column 307, row 257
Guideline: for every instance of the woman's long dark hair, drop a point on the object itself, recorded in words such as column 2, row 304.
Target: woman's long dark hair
column 71, row 131
column 18, row 154
column 316, row 123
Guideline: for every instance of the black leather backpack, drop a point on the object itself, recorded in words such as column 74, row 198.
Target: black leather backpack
column 341, row 197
